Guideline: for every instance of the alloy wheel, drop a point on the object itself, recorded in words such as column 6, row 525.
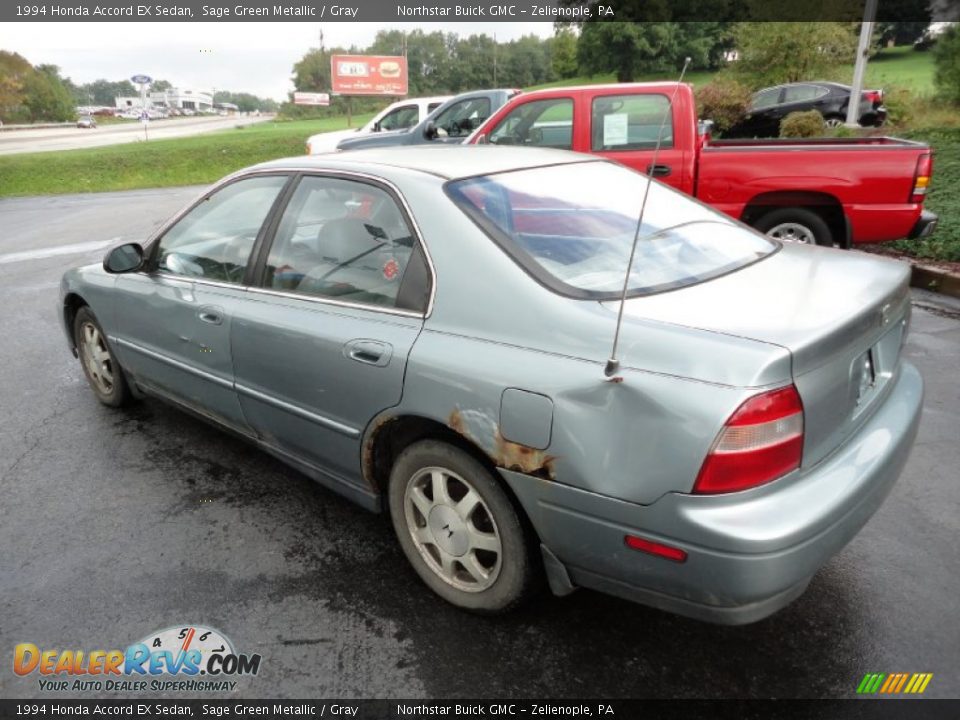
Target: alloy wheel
column 96, row 357
column 792, row 232
column 453, row 529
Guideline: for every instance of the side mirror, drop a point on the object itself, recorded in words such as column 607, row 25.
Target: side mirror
column 124, row 259
column 707, row 126
column 430, row 132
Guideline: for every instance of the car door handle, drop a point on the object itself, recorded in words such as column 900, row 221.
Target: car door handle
column 369, row 352
column 659, row 170
column 211, row 314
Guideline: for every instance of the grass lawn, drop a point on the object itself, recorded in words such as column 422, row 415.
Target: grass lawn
column 158, row 163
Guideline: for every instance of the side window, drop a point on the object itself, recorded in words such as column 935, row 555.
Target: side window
column 462, row 118
column 213, row 241
column 401, row 118
column 345, row 240
column 803, row 93
column 433, row 106
column 765, row 99
column 543, row 123
column 631, row 122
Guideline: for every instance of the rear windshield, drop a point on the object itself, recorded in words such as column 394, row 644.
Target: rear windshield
column 572, row 226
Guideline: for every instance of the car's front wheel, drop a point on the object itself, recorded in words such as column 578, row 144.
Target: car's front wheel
column 101, row 368
column 459, row 529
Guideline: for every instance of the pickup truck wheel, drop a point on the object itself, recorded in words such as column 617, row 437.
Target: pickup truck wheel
column 834, row 121
column 459, row 529
column 795, row 225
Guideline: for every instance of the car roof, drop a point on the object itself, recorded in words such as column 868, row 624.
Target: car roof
column 623, row 87
column 445, row 161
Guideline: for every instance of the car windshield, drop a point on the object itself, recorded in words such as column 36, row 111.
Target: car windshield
column 572, row 227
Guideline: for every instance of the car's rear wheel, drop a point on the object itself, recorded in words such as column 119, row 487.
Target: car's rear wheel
column 459, row 529
column 796, row 225
column 833, row 121
column 100, row 367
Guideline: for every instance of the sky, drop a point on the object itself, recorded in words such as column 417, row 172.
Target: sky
column 240, row 57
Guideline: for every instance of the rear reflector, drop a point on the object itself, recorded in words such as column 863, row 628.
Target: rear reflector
column 654, row 548
column 762, row 441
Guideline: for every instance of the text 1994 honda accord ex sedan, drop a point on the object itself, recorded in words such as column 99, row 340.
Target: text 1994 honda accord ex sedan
column 426, row 330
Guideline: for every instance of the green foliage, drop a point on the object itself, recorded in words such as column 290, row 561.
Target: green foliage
column 901, row 105
column 802, row 125
column 14, row 72
column 45, row 97
column 944, row 198
column 631, row 48
column 563, row 53
column 780, row 52
column 946, row 56
column 724, row 100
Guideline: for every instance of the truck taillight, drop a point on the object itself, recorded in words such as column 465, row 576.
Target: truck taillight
column 875, row 97
column 921, row 179
column 762, row 441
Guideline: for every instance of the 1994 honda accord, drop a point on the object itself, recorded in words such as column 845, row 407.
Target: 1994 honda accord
column 427, row 330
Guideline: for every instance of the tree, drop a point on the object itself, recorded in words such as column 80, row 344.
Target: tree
column 14, row 71
column 946, row 56
column 563, row 53
column 780, row 52
column 160, row 85
column 630, row 49
column 45, row 96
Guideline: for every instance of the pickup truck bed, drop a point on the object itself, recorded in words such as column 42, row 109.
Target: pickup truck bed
column 828, row 191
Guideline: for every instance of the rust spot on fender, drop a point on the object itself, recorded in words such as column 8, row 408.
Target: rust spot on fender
column 505, row 453
column 525, row 459
column 366, row 453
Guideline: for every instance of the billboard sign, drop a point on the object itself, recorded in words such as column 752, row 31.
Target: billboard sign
column 368, row 74
column 311, row 98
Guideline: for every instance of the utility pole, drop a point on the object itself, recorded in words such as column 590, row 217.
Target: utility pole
column 495, row 60
column 860, row 69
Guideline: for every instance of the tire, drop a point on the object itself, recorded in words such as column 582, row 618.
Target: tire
column 795, row 225
column 103, row 372
column 480, row 558
column 834, row 121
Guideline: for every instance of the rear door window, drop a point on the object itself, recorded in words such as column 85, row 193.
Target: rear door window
column 631, row 122
column 348, row 241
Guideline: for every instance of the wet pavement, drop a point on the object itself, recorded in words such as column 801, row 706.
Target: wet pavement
column 116, row 524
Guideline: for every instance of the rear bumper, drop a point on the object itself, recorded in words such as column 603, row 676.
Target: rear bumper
column 924, row 226
column 748, row 553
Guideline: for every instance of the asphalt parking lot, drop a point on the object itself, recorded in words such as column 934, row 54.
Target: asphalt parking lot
column 120, row 523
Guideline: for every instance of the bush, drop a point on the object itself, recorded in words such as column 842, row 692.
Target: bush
column 946, row 57
column 802, row 125
column 901, row 105
column 725, row 101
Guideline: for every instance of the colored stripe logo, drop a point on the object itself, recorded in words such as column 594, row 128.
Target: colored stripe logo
column 894, row 683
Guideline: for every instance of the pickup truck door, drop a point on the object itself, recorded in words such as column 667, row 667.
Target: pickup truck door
column 624, row 127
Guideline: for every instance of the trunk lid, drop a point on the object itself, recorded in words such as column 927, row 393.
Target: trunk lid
column 841, row 315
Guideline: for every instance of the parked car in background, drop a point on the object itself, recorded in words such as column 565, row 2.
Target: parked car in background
column 86, row 122
column 822, row 191
column 401, row 115
column 771, row 105
column 427, row 329
column 451, row 123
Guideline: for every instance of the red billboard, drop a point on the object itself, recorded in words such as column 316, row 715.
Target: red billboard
column 368, row 74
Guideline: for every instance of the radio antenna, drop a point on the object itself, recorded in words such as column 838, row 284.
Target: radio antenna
column 613, row 364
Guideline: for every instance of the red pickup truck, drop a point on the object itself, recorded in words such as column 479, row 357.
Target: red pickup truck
column 823, row 191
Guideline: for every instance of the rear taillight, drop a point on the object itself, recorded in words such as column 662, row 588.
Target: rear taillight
column 762, row 441
column 875, row 97
column 921, row 179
